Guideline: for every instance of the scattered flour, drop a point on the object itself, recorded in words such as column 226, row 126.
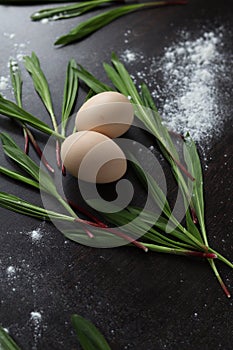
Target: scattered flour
column 129, row 56
column 10, row 271
column 188, row 95
column 190, row 70
column 4, row 83
column 44, row 20
column 36, row 319
column 9, row 35
column 36, row 235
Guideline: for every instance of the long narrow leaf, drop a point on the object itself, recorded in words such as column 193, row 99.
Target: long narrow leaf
column 23, row 207
column 68, row 11
column 6, row 342
column 70, row 93
column 88, row 335
column 93, row 83
column 97, row 22
column 16, row 81
column 32, row 65
column 12, row 110
column 18, row 177
column 28, row 165
column 194, row 165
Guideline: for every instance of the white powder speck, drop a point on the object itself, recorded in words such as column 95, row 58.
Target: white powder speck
column 9, row 35
column 20, row 56
column 4, row 83
column 129, row 56
column 36, row 235
column 44, row 20
column 36, row 319
column 10, row 271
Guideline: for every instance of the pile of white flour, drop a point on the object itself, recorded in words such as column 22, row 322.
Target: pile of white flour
column 185, row 83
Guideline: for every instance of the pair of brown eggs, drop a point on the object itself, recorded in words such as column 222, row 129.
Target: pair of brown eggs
column 90, row 154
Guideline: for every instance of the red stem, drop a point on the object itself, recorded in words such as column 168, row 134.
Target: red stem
column 194, row 216
column 185, row 171
column 89, row 215
column 26, row 141
column 63, row 170
column 127, row 238
column 202, row 255
column 226, row 291
column 113, row 231
column 39, row 151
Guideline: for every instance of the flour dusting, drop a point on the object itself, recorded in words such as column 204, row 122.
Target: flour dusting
column 185, row 83
column 190, row 69
column 36, row 319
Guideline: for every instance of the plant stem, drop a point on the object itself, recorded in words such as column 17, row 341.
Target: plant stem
column 39, row 151
column 162, row 249
column 222, row 284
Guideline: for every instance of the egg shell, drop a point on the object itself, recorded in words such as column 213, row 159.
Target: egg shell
column 93, row 157
column 109, row 113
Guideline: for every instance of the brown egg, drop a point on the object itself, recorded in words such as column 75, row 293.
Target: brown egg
column 109, row 113
column 93, row 157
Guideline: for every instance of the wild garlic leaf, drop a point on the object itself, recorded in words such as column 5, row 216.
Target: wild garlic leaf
column 12, row 110
column 88, row 335
column 32, row 64
column 68, row 11
column 94, row 23
column 18, row 205
column 16, row 81
column 6, row 341
column 18, row 177
column 27, row 164
column 70, row 93
column 97, row 22
column 115, row 79
column 126, row 79
column 192, row 160
column 93, row 83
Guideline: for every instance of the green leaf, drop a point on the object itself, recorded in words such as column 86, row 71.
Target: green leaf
column 15, row 153
column 16, row 176
column 126, row 79
column 68, row 11
column 6, row 342
column 194, row 165
column 32, row 64
column 18, row 205
column 70, row 93
column 28, row 165
column 16, row 81
column 115, row 79
column 147, row 98
column 99, row 21
column 12, row 110
column 93, row 83
column 88, row 335
column 95, row 23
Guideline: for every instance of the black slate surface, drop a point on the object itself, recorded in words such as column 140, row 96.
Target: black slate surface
column 139, row 301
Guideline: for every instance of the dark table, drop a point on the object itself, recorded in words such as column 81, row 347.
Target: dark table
column 139, row 301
